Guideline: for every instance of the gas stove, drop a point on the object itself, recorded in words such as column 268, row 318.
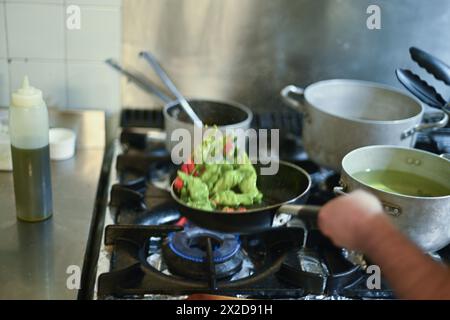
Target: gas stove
column 150, row 251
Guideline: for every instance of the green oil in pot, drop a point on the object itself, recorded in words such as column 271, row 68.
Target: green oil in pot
column 400, row 182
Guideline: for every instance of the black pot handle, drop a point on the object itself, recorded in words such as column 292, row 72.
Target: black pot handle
column 306, row 217
column 301, row 211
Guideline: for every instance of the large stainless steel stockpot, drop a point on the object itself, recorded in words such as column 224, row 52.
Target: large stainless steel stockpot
column 342, row 115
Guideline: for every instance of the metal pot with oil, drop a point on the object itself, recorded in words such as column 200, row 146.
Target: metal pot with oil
column 413, row 185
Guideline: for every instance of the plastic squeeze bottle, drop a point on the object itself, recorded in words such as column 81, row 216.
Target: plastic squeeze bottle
column 28, row 127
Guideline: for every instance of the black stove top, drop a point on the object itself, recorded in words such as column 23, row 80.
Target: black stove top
column 155, row 251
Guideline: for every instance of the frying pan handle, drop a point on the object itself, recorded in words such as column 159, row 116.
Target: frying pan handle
column 306, row 217
column 300, row 211
column 339, row 191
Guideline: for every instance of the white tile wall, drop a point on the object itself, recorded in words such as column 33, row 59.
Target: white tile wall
column 93, row 85
column 67, row 65
column 3, row 52
column 4, row 83
column 95, row 2
column 99, row 37
column 37, row 1
column 50, row 77
column 35, row 30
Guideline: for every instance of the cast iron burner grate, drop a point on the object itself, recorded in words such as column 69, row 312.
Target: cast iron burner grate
column 186, row 253
column 133, row 275
column 143, row 263
column 274, row 263
column 139, row 203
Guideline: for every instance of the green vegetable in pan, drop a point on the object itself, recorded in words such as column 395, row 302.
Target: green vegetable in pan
column 225, row 185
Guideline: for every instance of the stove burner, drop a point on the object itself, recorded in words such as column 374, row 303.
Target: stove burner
column 190, row 244
column 186, row 253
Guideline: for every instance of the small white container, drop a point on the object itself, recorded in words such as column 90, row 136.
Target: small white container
column 62, row 143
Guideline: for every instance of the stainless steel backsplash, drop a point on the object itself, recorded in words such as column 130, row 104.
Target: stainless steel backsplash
column 247, row 50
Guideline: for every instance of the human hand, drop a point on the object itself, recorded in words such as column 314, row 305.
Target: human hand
column 347, row 219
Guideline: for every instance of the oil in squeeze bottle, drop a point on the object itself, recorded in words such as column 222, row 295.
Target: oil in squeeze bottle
column 28, row 127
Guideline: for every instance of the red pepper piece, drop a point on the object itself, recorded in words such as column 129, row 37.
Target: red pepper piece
column 178, row 183
column 184, row 168
column 181, row 222
column 228, row 147
column 190, row 167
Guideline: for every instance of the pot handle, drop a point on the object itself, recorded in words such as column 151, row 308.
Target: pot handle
column 388, row 208
column 442, row 122
column 292, row 89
